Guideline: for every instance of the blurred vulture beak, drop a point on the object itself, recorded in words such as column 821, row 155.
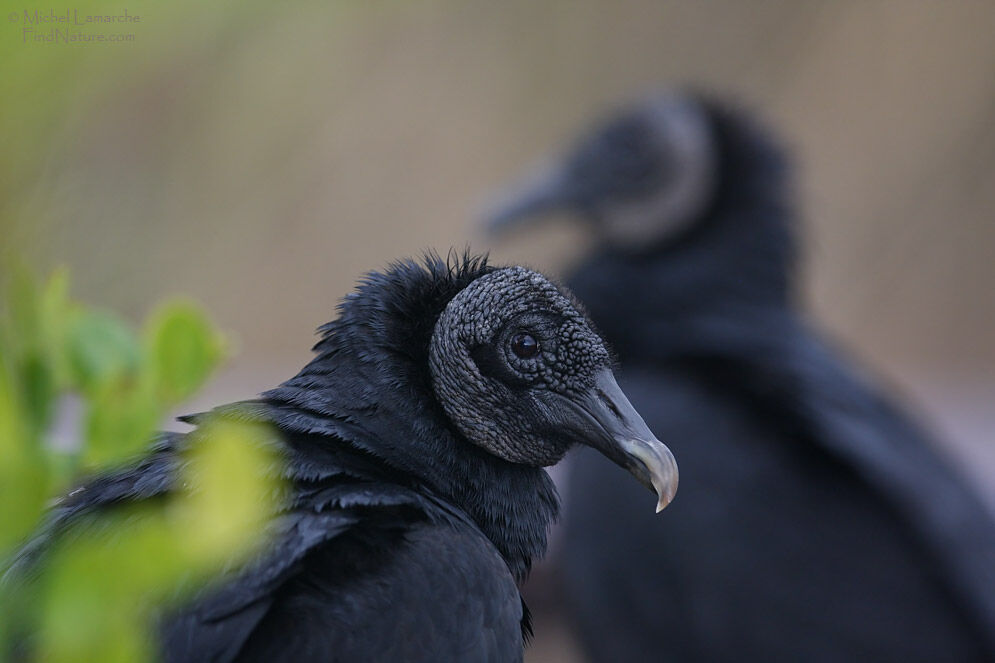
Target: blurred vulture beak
column 603, row 418
column 545, row 190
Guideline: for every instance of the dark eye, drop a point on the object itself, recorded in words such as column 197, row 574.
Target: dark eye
column 524, row 345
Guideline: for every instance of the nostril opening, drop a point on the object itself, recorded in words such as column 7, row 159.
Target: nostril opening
column 609, row 404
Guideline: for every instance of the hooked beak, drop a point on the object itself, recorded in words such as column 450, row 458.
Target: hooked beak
column 544, row 191
column 604, row 419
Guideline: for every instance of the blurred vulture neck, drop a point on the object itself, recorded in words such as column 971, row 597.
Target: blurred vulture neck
column 710, row 283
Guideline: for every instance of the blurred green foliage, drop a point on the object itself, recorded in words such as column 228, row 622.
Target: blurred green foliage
column 97, row 590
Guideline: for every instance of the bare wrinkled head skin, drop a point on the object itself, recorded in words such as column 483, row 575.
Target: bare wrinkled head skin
column 491, row 393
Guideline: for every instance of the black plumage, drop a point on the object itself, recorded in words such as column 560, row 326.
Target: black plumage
column 414, row 445
column 816, row 522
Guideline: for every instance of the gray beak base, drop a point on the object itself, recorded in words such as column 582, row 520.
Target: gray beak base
column 604, row 419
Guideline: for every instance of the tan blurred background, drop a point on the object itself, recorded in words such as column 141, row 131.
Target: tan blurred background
column 261, row 157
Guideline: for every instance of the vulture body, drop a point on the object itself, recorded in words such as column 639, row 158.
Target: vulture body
column 816, row 521
column 414, row 444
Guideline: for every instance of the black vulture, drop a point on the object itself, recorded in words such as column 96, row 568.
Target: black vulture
column 415, row 442
column 817, row 521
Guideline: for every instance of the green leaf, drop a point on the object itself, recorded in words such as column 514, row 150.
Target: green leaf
column 57, row 312
column 38, row 391
column 233, row 487
column 121, row 420
column 23, row 476
column 34, row 329
column 183, row 347
column 101, row 350
column 122, row 566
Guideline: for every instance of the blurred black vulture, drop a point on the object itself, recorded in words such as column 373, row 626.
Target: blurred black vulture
column 816, row 522
column 415, row 442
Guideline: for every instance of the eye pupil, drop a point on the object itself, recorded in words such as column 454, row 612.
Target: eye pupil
column 524, row 345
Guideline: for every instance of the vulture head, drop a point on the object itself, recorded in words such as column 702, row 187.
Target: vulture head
column 642, row 175
column 521, row 372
